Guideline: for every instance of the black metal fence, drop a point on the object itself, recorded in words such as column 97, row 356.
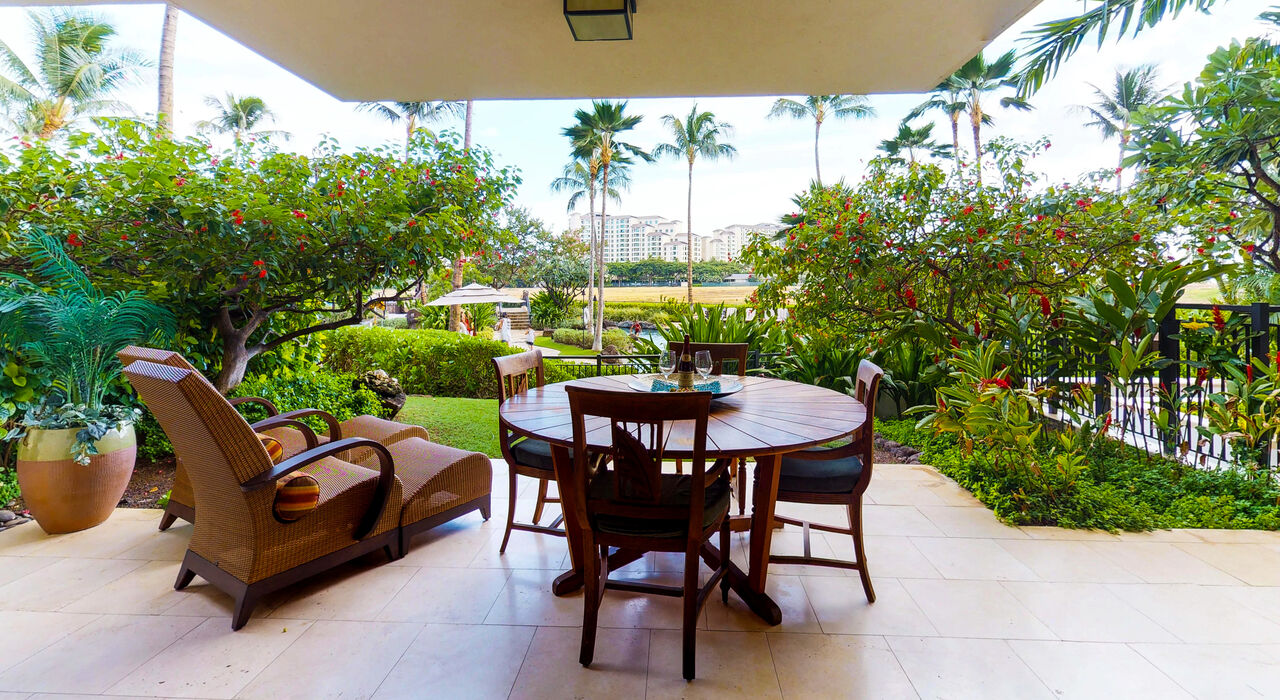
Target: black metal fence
column 1246, row 333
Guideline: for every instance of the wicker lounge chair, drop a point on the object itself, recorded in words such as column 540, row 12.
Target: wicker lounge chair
column 240, row 545
column 182, row 502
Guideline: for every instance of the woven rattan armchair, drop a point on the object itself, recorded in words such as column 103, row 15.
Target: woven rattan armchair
column 182, row 502
column 240, row 546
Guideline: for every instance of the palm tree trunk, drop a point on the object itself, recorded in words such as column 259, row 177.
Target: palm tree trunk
column 466, row 126
column 455, row 312
column 955, row 137
column 168, row 43
column 604, row 202
column 817, row 167
column 410, row 125
column 689, row 221
column 591, row 253
column 975, row 120
column 1124, row 141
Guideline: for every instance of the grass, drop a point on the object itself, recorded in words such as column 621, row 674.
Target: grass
column 467, row 424
column 705, row 295
column 543, row 341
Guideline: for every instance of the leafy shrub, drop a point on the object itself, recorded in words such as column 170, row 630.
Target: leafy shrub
column 425, row 361
column 8, row 484
column 651, row 313
column 715, row 324
column 327, row 391
column 397, row 323
column 545, row 311
column 584, row 339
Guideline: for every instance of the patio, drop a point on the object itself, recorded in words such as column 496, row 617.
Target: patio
column 967, row 608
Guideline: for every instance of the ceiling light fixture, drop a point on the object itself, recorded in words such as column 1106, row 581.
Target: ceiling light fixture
column 599, row 20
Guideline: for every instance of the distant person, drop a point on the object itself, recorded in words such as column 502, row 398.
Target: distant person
column 504, row 329
column 530, row 337
column 635, row 329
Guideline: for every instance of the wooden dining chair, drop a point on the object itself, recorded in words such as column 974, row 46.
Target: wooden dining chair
column 736, row 353
column 835, row 476
column 525, row 456
column 630, row 504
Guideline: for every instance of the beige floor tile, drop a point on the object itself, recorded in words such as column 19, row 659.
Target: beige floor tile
column 814, row 513
column 1237, row 536
column 527, row 600
column 1084, row 670
column 1160, row 536
column 170, row 545
column 26, row 540
column 77, row 696
column 26, row 633
column 969, row 558
column 147, row 590
column 1199, row 614
column 526, row 550
column 887, row 556
column 975, row 609
column 969, row 522
column 1162, row 562
column 446, row 595
column 906, row 472
column 897, row 520
column 789, row 541
column 110, row 539
column 201, row 599
column 641, row 610
column 842, row 608
column 14, row 568
column 1049, row 532
column 1264, row 600
column 1055, row 560
column 335, row 659
column 822, row 666
column 958, row 669
column 5, row 695
column 1219, row 671
column 63, row 582
column 787, row 591
column 1255, row 564
column 726, row 665
column 96, row 656
column 357, row 591
column 211, row 661
column 905, row 493
column 1086, row 612
column 453, row 544
column 551, row 669
column 458, row 661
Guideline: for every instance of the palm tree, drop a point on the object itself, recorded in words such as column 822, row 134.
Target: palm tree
column 911, row 139
column 164, row 98
column 595, row 133
column 698, row 134
column 977, row 78
column 1112, row 112
column 581, row 178
column 948, row 99
column 75, row 72
column 239, row 116
column 819, row 108
column 413, row 114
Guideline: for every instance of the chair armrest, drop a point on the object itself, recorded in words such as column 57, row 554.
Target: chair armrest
column 281, row 422
column 386, row 475
column 271, row 408
column 335, row 428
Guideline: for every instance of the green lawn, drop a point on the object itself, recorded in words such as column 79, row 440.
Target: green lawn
column 467, row 424
column 544, row 341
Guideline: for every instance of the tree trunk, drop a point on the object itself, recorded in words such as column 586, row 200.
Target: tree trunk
column 975, row 120
column 817, row 167
column 1124, row 141
column 591, row 253
column 455, row 312
column 410, row 124
column 168, row 43
column 955, row 137
column 604, row 202
column 689, row 214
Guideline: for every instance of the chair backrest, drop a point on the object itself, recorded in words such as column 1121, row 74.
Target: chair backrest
column 135, row 353
column 637, row 431
column 867, row 387
column 513, row 373
column 724, row 351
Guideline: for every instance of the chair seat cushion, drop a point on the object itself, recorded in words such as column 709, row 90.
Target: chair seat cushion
column 819, row 475
column 529, row 452
column 675, row 492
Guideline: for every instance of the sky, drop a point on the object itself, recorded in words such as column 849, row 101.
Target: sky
column 775, row 156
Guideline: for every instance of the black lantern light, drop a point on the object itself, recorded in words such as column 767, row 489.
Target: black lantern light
column 599, row 20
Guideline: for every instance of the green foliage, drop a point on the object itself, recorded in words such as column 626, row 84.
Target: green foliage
column 912, row 376
column 659, row 272
column 583, row 339
column 545, row 311
column 425, row 361
column 617, row 313
column 818, row 364
column 716, row 324
column 480, row 318
column 397, row 323
column 328, row 391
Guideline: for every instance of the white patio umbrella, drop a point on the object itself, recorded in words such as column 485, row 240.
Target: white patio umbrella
column 474, row 294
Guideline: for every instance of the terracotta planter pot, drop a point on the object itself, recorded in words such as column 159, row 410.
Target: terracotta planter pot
column 64, row 496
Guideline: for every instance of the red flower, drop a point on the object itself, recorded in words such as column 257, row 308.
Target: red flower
column 1200, row 251
column 910, row 297
column 1201, row 375
column 258, row 263
column 137, row 223
column 1248, row 372
column 1248, row 248
column 1045, row 307
column 967, row 210
column 1219, row 323
column 1137, row 237
column 1061, row 234
column 412, row 263
column 74, row 241
column 124, row 237
column 297, row 214
column 179, row 181
column 262, row 273
column 412, row 223
column 862, row 218
column 1084, row 203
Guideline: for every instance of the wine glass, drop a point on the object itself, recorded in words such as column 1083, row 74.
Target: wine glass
column 666, row 363
column 702, row 362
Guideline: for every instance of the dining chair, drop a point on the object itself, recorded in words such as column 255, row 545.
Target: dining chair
column 630, row 504
column 525, row 456
column 835, row 476
column 737, row 353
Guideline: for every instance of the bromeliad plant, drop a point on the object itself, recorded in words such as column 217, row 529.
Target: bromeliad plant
column 72, row 331
column 1246, row 414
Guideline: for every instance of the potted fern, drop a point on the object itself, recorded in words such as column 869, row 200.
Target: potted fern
column 76, row 451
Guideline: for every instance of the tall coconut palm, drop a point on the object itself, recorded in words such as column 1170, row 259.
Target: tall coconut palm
column 697, row 134
column 581, row 178
column 912, row 139
column 1112, row 112
column 75, row 72
column 240, row 117
column 413, row 114
column 975, row 80
column 164, row 83
column 819, row 108
column 596, row 132
column 948, row 99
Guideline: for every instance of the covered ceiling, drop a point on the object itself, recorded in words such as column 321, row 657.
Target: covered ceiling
column 454, row 49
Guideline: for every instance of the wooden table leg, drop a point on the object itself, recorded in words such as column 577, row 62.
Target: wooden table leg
column 763, row 502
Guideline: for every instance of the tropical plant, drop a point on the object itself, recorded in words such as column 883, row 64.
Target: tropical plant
column 240, row 117
column 819, row 108
column 975, row 79
column 595, row 134
column 830, row 367
column 581, row 178
column 1112, row 111
column 947, row 98
column 696, row 135
column 72, row 331
column 414, row 114
column 911, row 373
column 716, row 324
column 912, row 139
column 77, row 69
column 1246, row 414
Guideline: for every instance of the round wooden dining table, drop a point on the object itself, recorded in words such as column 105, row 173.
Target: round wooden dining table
column 765, row 420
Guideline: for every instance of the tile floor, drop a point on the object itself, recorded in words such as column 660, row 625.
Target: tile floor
column 967, row 608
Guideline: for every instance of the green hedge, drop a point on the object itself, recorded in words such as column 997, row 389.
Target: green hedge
column 584, row 339
column 327, row 391
column 432, row 362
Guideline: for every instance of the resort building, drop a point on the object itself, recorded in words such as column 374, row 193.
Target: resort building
column 629, row 238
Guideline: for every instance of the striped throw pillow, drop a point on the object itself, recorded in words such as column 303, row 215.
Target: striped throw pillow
column 296, row 496
column 274, row 448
